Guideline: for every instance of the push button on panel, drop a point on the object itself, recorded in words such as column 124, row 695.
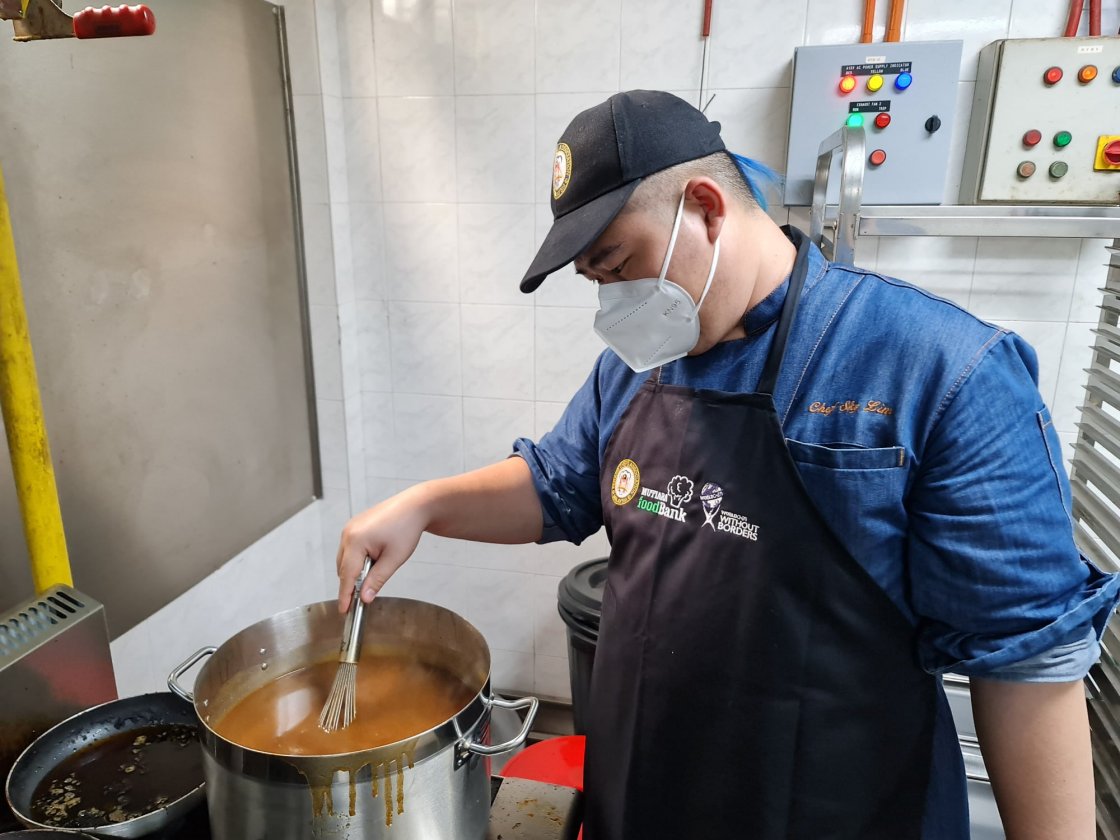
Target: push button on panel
column 1062, row 139
column 1086, row 74
column 1026, row 169
column 878, row 157
column 1058, row 169
column 1116, row 75
column 882, row 120
column 1052, row 76
column 903, row 81
column 847, row 84
column 1032, row 138
column 874, row 83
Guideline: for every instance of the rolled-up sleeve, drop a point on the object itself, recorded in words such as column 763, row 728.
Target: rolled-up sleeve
column 998, row 584
column 565, row 467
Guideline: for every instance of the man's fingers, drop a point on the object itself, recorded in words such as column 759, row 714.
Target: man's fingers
column 383, row 569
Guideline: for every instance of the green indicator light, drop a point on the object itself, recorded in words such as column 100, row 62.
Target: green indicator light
column 1062, row 139
column 856, row 120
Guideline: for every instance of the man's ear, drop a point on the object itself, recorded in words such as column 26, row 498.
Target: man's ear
column 708, row 197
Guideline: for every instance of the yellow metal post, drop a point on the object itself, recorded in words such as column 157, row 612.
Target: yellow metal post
column 23, row 422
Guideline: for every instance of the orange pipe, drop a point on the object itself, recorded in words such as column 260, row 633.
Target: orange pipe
column 1073, row 22
column 1095, row 17
column 894, row 25
column 868, row 33
column 707, row 28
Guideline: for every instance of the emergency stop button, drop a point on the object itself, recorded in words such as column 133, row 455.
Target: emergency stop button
column 1108, row 153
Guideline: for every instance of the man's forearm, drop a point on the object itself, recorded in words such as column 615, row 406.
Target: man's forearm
column 1035, row 740
column 496, row 504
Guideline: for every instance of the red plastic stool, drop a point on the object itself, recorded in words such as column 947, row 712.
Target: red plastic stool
column 557, row 761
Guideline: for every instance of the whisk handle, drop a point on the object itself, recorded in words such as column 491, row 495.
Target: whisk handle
column 352, row 631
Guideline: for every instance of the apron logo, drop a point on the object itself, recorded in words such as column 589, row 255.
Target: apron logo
column 711, row 502
column 624, row 485
column 670, row 503
column 561, row 170
column 711, row 497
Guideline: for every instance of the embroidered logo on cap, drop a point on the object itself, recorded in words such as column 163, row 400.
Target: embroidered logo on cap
column 624, row 485
column 561, row 170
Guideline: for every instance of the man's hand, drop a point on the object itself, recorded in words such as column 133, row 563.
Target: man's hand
column 1035, row 740
column 387, row 533
column 496, row 504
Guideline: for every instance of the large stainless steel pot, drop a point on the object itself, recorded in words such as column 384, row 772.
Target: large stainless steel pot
column 433, row 786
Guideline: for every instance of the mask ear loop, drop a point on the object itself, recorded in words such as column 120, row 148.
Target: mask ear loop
column 708, row 284
column 672, row 242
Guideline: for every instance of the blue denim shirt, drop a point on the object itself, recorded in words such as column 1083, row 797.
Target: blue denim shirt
column 920, row 435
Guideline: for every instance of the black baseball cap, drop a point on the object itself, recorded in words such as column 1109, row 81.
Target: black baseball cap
column 601, row 158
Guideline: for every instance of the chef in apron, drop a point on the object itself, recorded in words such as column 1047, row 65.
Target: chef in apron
column 755, row 678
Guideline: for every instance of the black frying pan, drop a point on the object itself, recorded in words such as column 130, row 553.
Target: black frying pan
column 111, row 723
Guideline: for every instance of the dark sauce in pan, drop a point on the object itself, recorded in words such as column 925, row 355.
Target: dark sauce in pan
column 120, row 778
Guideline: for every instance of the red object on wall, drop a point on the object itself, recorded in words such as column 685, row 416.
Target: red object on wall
column 114, row 22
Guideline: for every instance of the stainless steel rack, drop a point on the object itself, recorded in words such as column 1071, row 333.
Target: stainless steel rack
column 837, row 228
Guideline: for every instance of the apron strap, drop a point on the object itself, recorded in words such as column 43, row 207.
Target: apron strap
column 789, row 311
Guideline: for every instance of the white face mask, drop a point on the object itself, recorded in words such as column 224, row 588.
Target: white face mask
column 653, row 321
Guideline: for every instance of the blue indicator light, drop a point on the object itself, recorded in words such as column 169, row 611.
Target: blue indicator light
column 903, row 81
column 1116, row 75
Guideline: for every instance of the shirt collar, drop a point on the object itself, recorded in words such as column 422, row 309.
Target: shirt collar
column 767, row 310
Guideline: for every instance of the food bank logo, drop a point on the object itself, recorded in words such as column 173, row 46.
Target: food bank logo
column 670, row 503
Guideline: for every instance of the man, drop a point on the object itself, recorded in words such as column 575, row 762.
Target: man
column 885, row 502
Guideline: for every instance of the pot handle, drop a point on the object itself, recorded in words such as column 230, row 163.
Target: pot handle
column 186, row 665
column 532, row 703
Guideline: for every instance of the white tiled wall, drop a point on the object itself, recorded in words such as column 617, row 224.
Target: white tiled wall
column 425, row 136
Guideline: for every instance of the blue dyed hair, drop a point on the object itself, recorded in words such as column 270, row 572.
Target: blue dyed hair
column 759, row 178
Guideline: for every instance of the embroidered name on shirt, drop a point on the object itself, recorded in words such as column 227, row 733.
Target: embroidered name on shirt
column 851, row 407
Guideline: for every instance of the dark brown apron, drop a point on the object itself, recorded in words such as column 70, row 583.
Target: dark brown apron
column 751, row 679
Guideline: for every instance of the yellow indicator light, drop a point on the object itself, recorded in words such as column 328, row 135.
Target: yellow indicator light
column 874, row 83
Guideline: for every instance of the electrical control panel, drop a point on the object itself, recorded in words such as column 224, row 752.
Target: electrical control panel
column 1045, row 123
column 904, row 95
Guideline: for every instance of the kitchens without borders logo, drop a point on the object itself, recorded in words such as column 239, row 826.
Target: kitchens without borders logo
column 711, row 502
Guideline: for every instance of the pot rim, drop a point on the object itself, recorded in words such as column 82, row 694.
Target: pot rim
column 456, row 729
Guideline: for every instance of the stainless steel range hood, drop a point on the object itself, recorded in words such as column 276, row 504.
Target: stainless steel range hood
column 54, row 662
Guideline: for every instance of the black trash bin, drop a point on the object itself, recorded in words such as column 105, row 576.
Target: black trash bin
column 580, row 602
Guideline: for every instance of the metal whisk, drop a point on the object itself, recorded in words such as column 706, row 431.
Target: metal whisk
column 340, row 709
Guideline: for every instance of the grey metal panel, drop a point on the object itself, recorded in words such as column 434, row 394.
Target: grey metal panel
column 149, row 183
column 917, row 160
column 1011, row 99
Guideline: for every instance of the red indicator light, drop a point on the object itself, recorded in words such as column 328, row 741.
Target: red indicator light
column 1052, row 76
column 1032, row 138
column 882, row 120
column 878, row 157
column 847, row 84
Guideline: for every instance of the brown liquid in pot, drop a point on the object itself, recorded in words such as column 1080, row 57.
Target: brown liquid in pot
column 397, row 698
